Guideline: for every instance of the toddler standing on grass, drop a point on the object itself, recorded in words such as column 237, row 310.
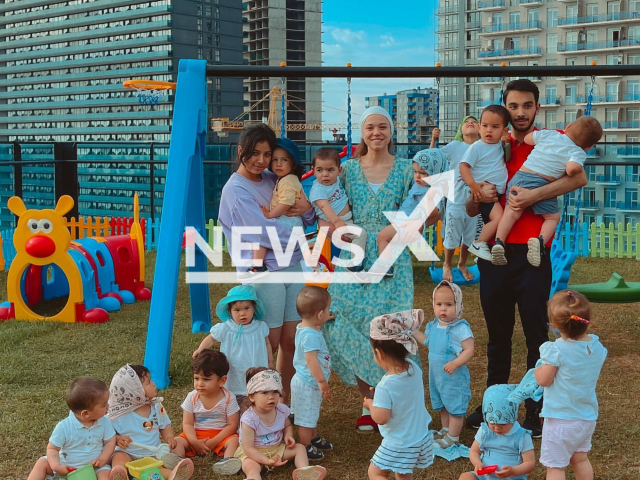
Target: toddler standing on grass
column 137, row 415
column 451, row 345
column 85, row 437
column 568, row 370
column 310, row 384
column 398, row 402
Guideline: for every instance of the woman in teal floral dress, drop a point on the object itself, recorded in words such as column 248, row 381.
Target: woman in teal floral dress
column 375, row 181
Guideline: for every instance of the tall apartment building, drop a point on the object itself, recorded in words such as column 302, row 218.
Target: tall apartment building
column 458, row 24
column 413, row 112
column 288, row 31
column 62, row 65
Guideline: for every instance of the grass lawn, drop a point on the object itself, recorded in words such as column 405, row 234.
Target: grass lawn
column 39, row 360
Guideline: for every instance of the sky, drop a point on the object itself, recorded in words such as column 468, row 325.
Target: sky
column 373, row 33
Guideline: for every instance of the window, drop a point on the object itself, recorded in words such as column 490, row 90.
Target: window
column 533, row 15
column 633, row 116
column 631, row 220
column 633, row 59
column 569, row 116
column 611, row 117
column 590, row 171
column 217, row 56
column 552, row 43
column 532, row 42
column 633, row 33
column 514, row 18
column 551, row 91
column 590, row 58
column 608, row 220
column 613, row 7
column 588, row 218
column 552, row 17
column 631, row 197
column 571, row 61
column 571, row 93
column 496, row 18
column 592, row 9
column 613, row 34
column 615, row 59
column 572, row 11
column 552, row 61
column 589, row 196
column 610, row 197
column 550, row 119
column 592, row 36
column 611, row 89
column 572, row 38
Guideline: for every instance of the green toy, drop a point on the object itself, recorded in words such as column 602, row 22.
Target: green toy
column 616, row 290
column 85, row 472
column 146, row 468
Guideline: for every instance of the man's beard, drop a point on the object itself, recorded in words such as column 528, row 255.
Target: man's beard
column 525, row 129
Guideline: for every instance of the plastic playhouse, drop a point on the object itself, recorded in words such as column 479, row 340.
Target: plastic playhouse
column 98, row 274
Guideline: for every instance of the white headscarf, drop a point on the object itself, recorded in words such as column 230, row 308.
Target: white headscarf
column 375, row 111
column 457, row 297
column 126, row 393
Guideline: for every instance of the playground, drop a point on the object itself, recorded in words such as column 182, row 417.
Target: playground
column 35, row 374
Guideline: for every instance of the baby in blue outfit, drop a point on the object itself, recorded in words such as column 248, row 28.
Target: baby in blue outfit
column 450, row 344
column 501, row 441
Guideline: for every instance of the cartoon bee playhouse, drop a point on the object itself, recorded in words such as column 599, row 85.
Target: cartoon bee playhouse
column 97, row 274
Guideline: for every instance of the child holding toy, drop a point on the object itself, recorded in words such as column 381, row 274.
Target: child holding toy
column 286, row 164
column 501, row 447
column 451, row 345
column 84, row 437
column 243, row 337
column 310, row 384
column 555, row 155
column 137, row 415
column 484, row 161
column 210, row 414
column 568, row 370
column 266, row 435
column 398, row 402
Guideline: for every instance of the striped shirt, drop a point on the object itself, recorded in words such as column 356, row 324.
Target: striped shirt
column 214, row 418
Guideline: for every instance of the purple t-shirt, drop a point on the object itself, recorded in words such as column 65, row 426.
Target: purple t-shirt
column 240, row 203
column 266, row 435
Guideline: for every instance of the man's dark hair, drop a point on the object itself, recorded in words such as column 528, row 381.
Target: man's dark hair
column 521, row 85
column 210, row 362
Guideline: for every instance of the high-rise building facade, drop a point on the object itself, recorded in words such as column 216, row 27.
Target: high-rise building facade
column 289, row 31
column 62, row 65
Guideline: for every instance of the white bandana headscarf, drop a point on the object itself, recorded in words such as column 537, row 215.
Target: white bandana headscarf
column 126, row 393
column 457, row 297
column 398, row 327
column 375, row 111
column 265, row 381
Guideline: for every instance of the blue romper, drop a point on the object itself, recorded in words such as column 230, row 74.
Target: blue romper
column 503, row 450
column 451, row 392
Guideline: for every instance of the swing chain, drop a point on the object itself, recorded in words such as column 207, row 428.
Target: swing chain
column 587, row 109
column 501, row 91
column 349, row 139
column 437, row 107
column 283, row 108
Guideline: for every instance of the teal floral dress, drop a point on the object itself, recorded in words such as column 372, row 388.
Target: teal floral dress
column 356, row 304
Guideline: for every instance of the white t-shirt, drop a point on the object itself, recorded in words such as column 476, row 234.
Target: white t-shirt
column 144, row 430
column 487, row 165
column 78, row 443
column 454, row 152
column 214, row 418
column 245, row 347
column 552, row 153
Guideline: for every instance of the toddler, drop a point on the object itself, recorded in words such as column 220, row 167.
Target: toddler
column 484, row 162
column 568, row 370
column 266, row 435
column 398, row 402
column 84, row 437
column 243, row 337
column 312, row 362
column 137, row 415
column 425, row 163
column 450, row 344
column 329, row 198
column 501, row 441
column 286, row 164
column 555, row 155
column 210, row 414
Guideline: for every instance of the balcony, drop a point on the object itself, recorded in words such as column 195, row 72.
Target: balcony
column 628, row 207
column 590, row 205
column 411, row 104
column 530, row 3
column 513, row 52
column 599, row 98
column 569, row 79
column 631, row 97
column 609, row 179
column 593, row 153
column 503, row 28
column 447, row 45
column 490, row 79
column 450, row 27
column 595, row 46
column 447, row 10
column 567, row 22
column 631, row 151
column 470, row 25
column 492, row 5
column 486, row 103
column 570, row 100
column 450, row 98
column 550, row 101
column 632, row 125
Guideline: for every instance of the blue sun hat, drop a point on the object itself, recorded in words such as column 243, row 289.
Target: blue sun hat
column 237, row 294
column 291, row 148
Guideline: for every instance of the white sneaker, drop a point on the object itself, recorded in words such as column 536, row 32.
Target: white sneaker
column 480, row 249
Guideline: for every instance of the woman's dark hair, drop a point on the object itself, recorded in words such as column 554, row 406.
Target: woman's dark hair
column 392, row 349
column 253, row 135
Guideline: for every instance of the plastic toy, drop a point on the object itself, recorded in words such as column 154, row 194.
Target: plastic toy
column 85, row 472
column 159, row 452
column 146, row 468
column 615, row 290
column 97, row 274
column 487, row 470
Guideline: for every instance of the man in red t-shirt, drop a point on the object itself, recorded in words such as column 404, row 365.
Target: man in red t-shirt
column 518, row 283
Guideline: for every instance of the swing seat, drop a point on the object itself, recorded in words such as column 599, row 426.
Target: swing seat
column 561, row 263
column 616, row 290
column 458, row 279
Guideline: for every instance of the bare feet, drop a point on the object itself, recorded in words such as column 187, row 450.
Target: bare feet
column 468, row 276
column 447, row 273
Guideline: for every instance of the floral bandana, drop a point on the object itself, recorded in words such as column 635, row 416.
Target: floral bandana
column 398, row 327
column 457, row 297
column 431, row 160
column 265, row 381
column 126, row 393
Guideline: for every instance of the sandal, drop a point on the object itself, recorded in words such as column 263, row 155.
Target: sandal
column 314, row 472
column 321, row 443
column 366, row 421
column 445, row 442
column 118, row 473
column 183, row 470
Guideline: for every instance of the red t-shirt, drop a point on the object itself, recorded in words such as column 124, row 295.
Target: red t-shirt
column 529, row 224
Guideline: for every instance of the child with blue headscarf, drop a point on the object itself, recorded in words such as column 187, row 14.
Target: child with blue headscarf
column 425, row 164
column 501, row 441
